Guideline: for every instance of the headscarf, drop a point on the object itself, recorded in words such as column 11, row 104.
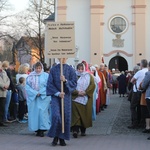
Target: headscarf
column 82, row 84
column 33, row 78
column 86, row 66
column 96, row 77
column 79, row 74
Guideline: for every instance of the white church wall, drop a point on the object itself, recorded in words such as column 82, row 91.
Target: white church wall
column 79, row 12
column 148, row 30
column 118, row 7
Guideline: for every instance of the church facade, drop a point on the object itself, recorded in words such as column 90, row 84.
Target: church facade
column 115, row 30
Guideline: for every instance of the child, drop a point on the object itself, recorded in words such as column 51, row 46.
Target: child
column 22, row 99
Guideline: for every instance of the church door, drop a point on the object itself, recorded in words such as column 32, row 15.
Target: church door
column 119, row 63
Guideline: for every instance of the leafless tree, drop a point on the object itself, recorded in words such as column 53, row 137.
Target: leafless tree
column 4, row 5
column 31, row 21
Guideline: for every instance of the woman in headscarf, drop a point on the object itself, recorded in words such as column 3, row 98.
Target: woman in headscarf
column 82, row 101
column 87, row 69
column 37, row 100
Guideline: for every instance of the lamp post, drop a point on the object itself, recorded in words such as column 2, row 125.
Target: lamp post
column 76, row 60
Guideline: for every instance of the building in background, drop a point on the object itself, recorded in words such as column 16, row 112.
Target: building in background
column 116, row 30
column 28, row 50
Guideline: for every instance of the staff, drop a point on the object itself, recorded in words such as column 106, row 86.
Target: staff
column 62, row 99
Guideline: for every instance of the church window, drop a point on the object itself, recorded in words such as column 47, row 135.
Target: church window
column 118, row 24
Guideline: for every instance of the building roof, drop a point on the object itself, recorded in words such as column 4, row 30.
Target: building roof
column 32, row 42
column 51, row 17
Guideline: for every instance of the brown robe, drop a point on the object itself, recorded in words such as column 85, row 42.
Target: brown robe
column 82, row 114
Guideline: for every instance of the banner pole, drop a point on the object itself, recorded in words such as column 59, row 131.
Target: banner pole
column 62, row 100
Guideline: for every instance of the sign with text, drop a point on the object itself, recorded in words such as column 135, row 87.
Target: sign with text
column 60, row 40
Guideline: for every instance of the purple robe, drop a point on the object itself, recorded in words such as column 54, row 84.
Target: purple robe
column 54, row 86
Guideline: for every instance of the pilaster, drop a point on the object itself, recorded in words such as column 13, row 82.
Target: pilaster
column 61, row 10
column 97, row 34
column 139, row 13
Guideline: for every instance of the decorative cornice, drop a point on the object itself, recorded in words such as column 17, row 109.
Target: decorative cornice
column 59, row 14
column 116, row 52
column 61, row 7
column 138, row 6
column 97, row 6
column 97, row 13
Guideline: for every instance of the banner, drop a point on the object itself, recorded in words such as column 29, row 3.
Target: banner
column 60, row 40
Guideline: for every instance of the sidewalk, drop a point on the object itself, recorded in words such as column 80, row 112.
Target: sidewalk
column 109, row 132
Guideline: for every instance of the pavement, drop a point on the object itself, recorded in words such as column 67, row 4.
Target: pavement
column 109, row 132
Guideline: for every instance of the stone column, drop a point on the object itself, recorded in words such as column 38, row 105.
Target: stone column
column 97, row 33
column 139, row 23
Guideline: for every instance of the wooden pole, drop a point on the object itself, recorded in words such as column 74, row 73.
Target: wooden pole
column 62, row 100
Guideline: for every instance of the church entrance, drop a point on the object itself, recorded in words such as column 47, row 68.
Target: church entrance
column 119, row 63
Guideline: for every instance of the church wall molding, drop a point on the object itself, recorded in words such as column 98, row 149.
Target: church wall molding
column 117, row 52
column 138, row 6
column 97, row 7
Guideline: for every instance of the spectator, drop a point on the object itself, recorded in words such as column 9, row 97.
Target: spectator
column 135, row 101
column 22, row 72
column 146, row 86
column 21, row 99
column 8, row 67
column 4, row 84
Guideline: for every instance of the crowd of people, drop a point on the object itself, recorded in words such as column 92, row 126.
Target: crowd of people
column 139, row 97
column 34, row 95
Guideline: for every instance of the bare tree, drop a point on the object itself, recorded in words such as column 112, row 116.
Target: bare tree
column 4, row 5
column 31, row 21
column 5, row 35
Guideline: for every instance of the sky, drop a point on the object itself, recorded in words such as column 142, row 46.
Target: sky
column 19, row 5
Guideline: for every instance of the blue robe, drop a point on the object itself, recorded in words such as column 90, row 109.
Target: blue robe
column 38, row 114
column 54, row 86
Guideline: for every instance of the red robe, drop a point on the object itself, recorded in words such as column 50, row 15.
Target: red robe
column 103, row 88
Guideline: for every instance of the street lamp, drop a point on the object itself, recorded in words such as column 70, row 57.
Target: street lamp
column 76, row 60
